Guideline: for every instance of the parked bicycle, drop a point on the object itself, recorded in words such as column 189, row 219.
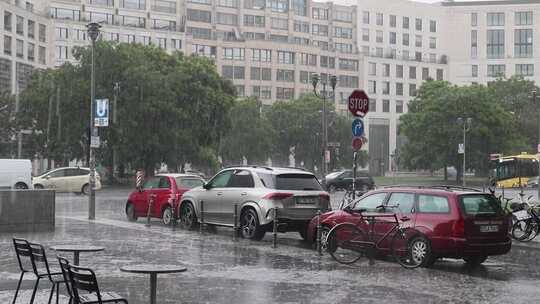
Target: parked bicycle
column 527, row 223
column 348, row 197
column 347, row 242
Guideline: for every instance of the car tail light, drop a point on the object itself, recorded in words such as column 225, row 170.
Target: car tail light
column 324, row 196
column 278, row 196
column 458, row 230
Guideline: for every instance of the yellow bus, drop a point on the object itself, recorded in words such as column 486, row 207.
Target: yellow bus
column 514, row 170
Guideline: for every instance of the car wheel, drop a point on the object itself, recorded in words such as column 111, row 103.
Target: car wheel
column 411, row 251
column 166, row 216
column 85, row 189
column 21, row 186
column 331, row 188
column 249, row 225
column 325, row 245
column 130, row 212
column 188, row 218
column 38, row 187
column 475, row 260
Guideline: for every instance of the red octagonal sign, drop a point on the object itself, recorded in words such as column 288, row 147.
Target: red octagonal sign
column 359, row 103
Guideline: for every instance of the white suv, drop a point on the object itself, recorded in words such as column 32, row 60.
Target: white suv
column 256, row 191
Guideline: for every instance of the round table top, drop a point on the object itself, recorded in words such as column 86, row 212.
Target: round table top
column 78, row 248
column 153, row 268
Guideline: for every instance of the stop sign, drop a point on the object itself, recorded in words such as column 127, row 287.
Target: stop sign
column 357, row 143
column 359, row 103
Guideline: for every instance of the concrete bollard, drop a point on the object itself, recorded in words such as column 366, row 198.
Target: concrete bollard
column 235, row 223
column 202, row 218
column 319, row 249
column 274, row 236
column 150, row 206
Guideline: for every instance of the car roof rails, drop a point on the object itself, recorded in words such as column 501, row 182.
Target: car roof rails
column 404, row 186
column 443, row 187
column 248, row 166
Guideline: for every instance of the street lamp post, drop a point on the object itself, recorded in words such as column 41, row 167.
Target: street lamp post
column 466, row 127
column 333, row 82
column 93, row 33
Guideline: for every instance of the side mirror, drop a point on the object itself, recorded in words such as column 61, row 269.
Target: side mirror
column 207, row 186
column 47, row 177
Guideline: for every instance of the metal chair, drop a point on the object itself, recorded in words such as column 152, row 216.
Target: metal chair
column 64, row 266
column 23, row 251
column 42, row 270
column 84, row 279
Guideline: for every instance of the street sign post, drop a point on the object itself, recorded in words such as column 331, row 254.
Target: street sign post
column 101, row 115
column 461, row 148
column 357, row 143
column 94, row 142
column 358, row 103
column 357, row 127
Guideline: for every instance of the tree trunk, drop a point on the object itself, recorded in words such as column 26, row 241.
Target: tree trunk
column 445, row 173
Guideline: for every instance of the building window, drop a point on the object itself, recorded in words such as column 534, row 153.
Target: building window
column 233, row 53
column 433, row 26
column 379, row 37
column 161, row 24
column 7, row 21
column 285, row 75
column 399, row 106
column 226, row 19
column 161, row 42
column 405, row 39
column 399, row 71
column 42, row 33
column 496, row 70
column 61, row 33
column 7, row 45
column 261, row 55
column 378, row 52
column 372, row 69
column 131, row 4
column 474, row 43
column 412, row 72
column 279, row 6
column 365, row 35
column 418, row 56
column 344, row 47
column 425, row 73
column 227, row 3
column 343, row 16
column 474, row 70
column 132, row 21
column 405, row 55
column 393, row 20
column 320, row 13
column 405, row 22
column 307, row 59
column 373, row 105
column 412, row 89
column 474, row 19
column 279, row 23
column 399, row 89
column 61, row 52
column 31, row 29
column 523, row 18
column 42, row 55
column 299, row 7
column 525, row 69
column 418, row 24
column 343, row 32
column 20, row 25
column 175, row 44
column 284, row 93
column 386, row 87
column 348, row 81
column 31, row 49
column 365, row 17
column 495, row 19
column 392, row 37
column 372, row 87
column 233, row 72
column 199, row 15
column 261, row 73
column 67, row 14
column 285, row 57
column 319, row 29
column 432, row 42
column 523, row 43
column 256, row 21
column 251, row 4
column 495, row 43
column 379, row 19
column 386, row 70
column 440, row 74
column 418, row 40
column 328, row 62
column 200, row 33
column 204, row 50
column 301, row 27
column 386, row 106
column 19, row 47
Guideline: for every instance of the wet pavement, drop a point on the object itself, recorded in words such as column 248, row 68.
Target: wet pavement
column 221, row 270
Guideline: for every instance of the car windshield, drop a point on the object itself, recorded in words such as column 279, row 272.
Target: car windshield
column 189, row 183
column 480, row 204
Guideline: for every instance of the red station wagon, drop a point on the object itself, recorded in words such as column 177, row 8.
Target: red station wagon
column 167, row 190
column 452, row 222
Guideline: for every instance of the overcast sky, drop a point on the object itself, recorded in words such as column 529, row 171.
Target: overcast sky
column 350, row 2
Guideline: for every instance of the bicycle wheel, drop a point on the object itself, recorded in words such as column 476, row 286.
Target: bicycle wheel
column 522, row 229
column 409, row 249
column 346, row 243
column 534, row 229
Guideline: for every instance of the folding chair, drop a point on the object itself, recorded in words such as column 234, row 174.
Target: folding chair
column 64, row 266
column 42, row 270
column 84, row 279
column 23, row 251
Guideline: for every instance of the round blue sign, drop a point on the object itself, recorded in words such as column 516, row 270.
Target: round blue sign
column 357, row 127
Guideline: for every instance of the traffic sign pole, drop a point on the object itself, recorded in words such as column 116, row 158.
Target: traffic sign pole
column 358, row 105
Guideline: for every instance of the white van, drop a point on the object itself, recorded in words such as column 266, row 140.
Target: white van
column 15, row 174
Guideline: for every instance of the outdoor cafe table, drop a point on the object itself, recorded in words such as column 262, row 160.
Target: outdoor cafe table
column 153, row 270
column 77, row 249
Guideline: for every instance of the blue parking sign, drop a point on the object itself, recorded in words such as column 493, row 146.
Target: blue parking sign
column 358, row 127
column 101, row 113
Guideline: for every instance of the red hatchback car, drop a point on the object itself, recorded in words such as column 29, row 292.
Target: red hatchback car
column 167, row 190
column 450, row 222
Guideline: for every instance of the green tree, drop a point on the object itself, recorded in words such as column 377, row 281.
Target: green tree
column 7, row 128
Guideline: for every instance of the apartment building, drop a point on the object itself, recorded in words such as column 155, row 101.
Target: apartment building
column 402, row 45
column 25, row 42
column 491, row 39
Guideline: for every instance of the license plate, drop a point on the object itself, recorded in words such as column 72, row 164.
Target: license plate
column 489, row 228
column 306, row 200
column 522, row 215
